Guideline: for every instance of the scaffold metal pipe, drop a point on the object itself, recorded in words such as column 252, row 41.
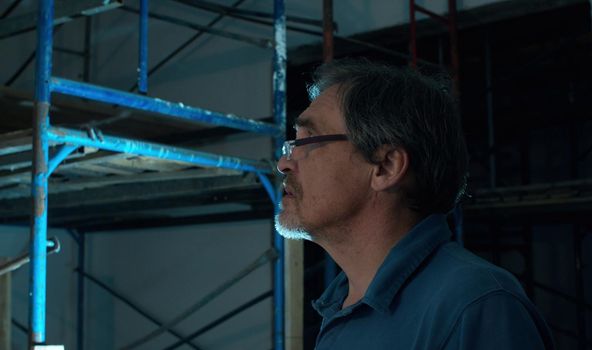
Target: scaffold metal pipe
column 412, row 35
column 156, row 105
column 59, row 157
column 143, row 48
column 279, row 112
column 39, row 175
column 271, row 192
column 53, row 246
column 149, row 149
column 454, row 50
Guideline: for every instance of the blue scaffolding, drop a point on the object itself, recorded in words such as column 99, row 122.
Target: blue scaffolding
column 44, row 134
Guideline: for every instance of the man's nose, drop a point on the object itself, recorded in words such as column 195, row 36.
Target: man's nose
column 284, row 165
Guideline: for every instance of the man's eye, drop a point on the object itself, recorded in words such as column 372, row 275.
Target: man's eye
column 301, row 134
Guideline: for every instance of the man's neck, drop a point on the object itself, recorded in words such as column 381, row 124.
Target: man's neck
column 361, row 248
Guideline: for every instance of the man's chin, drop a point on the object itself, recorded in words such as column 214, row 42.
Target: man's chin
column 290, row 230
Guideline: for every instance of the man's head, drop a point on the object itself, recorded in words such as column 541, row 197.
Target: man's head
column 382, row 109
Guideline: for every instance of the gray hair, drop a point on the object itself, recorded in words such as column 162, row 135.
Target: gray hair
column 385, row 105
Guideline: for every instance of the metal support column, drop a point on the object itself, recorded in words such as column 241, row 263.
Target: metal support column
column 412, row 34
column 490, row 123
column 580, row 292
column 328, row 51
column 38, row 275
column 454, row 54
column 451, row 25
column 143, row 49
column 279, row 112
column 81, row 238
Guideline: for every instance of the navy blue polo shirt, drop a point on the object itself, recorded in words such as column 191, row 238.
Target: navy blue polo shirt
column 431, row 294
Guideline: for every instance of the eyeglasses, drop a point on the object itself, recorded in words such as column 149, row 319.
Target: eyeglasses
column 289, row 145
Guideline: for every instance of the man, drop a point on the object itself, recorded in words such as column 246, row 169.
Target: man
column 378, row 161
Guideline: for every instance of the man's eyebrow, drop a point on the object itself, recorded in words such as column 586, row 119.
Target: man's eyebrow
column 306, row 123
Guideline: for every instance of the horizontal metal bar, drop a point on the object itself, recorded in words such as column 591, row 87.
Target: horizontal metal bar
column 119, row 144
column 432, row 14
column 65, row 11
column 221, row 9
column 62, row 154
column 264, row 43
column 156, row 105
column 53, row 246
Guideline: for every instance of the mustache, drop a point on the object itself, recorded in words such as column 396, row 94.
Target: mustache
column 294, row 186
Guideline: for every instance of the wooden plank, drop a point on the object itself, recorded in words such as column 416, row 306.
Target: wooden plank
column 147, row 191
column 14, row 161
column 5, row 309
column 294, row 293
column 17, row 141
column 92, row 163
column 168, row 207
column 151, row 164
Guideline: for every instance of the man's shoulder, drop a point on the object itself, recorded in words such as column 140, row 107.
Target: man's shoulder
column 463, row 277
column 454, row 284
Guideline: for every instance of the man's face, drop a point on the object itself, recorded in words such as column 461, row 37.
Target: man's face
column 325, row 183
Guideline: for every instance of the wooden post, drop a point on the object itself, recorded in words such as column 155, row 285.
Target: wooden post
column 294, row 287
column 5, row 309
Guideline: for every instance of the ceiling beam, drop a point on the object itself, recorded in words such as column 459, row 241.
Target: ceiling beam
column 64, row 11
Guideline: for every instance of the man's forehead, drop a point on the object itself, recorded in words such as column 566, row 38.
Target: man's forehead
column 322, row 115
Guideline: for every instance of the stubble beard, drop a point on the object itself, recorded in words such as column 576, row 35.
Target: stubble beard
column 289, row 224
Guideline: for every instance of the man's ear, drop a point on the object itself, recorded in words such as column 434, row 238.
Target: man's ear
column 392, row 164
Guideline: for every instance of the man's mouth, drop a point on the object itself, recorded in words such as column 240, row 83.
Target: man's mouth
column 288, row 191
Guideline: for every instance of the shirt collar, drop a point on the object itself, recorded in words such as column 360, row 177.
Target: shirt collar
column 403, row 259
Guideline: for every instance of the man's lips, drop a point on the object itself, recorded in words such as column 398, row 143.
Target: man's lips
column 288, row 191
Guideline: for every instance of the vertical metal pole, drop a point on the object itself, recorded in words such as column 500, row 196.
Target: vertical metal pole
column 80, row 312
column 328, row 52
column 279, row 112
column 528, row 263
column 441, row 50
column 143, row 49
column 39, row 175
column 454, row 54
column 412, row 34
column 5, row 308
column 328, row 30
column 580, row 293
column 458, row 225
column 489, row 105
